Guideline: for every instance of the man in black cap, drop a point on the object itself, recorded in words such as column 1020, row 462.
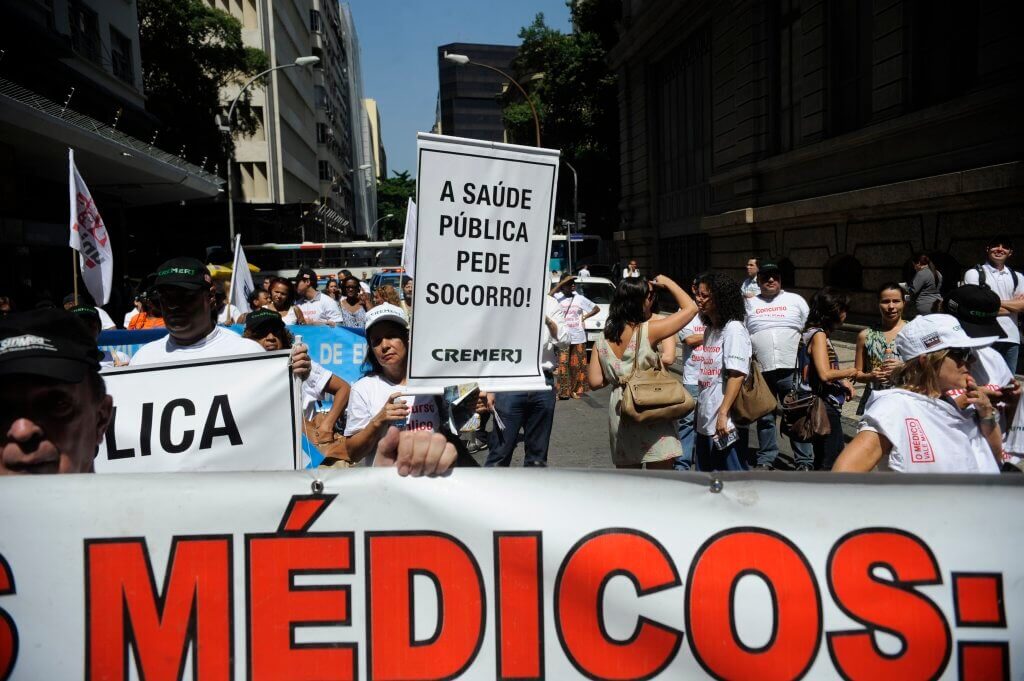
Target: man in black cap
column 316, row 307
column 977, row 310
column 185, row 296
column 54, row 407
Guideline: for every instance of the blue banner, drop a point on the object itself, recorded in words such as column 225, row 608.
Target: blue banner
column 340, row 350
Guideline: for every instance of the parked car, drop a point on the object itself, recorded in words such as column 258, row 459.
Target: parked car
column 390, row 275
column 610, row 272
column 600, row 291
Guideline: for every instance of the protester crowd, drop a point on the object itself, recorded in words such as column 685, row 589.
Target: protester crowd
column 939, row 392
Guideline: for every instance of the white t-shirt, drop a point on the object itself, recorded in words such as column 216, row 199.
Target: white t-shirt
column 221, row 342
column 750, row 288
column 727, row 348
column 551, row 346
column 584, row 272
column 228, row 315
column 370, row 394
column 928, row 435
column 774, row 325
column 574, row 307
column 693, row 357
column 321, row 309
column 1001, row 283
column 627, row 274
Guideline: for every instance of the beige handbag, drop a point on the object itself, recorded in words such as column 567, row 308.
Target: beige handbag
column 755, row 398
column 653, row 394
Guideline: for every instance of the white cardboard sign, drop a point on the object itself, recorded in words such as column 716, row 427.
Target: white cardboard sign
column 224, row 414
column 484, row 217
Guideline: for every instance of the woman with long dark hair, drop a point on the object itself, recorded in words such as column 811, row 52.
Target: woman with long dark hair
column 631, row 338
column 925, row 288
column 877, row 355
column 821, row 374
column 353, row 303
column 727, row 351
column 282, row 294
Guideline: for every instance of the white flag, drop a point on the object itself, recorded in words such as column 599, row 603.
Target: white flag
column 409, row 247
column 89, row 237
column 241, row 279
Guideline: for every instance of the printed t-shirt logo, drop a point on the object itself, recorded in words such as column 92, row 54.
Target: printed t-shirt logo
column 920, row 447
column 25, row 342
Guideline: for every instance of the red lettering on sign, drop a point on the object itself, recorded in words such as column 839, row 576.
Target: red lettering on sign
column 519, row 605
column 394, row 559
column 978, row 599
column 983, row 660
column 579, row 605
column 8, row 629
column 719, row 565
column 124, row 609
column 888, row 603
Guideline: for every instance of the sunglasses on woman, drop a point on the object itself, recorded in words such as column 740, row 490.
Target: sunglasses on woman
column 962, row 356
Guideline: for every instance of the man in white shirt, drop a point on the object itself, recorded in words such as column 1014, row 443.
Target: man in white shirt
column 1009, row 286
column 749, row 287
column 774, row 320
column 317, row 308
column 584, row 272
column 185, row 295
column 533, row 412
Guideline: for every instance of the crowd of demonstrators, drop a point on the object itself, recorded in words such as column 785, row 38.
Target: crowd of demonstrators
column 630, row 342
column 877, row 353
column 571, row 374
column 532, row 412
column 318, row 309
column 926, row 286
column 775, row 319
column 750, row 286
column 914, row 426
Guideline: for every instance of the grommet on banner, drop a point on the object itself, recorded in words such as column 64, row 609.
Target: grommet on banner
column 716, row 485
column 318, row 486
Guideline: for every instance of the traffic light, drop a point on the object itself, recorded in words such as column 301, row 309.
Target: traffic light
column 581, row 223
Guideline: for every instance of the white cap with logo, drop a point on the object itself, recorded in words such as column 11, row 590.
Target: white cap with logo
column 385, row 313
column 934, row 332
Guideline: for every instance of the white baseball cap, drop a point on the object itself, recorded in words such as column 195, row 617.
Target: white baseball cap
column 386, row 313
column 934, row 332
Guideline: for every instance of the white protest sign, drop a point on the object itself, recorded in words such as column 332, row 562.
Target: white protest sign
column 484, row 216
column 250, row 576
column 224, row 414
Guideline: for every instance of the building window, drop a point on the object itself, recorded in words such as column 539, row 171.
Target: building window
column 320, row 96
column 315, row 24
column 85, row 30
column 682, row 93
column 323, row 133
column 326, row 172
column 851, row 23
column 317, row 52
column 944, row 50
column 788, row 75
column 121, row 56
column 253, row 177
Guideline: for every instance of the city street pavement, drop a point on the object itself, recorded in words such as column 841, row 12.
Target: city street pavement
column 579, row 438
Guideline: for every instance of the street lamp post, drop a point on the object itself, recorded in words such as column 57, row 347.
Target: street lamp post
column 575, row 210
column 379, row 220
column 461, row 59
column 226, row 128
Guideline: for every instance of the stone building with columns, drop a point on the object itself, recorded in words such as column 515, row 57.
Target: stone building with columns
column 838, row 136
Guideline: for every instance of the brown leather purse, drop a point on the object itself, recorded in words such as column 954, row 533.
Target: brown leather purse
column 755, row 398
column 653, row 394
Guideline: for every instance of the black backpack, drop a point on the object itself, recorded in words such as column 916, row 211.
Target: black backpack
column 981, row 277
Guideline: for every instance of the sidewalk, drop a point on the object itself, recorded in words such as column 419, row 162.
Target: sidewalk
column 846, row 353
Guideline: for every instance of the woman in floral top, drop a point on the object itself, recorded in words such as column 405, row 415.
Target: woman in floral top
column 877, row 355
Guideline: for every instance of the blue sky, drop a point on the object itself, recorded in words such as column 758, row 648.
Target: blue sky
column 398, row 41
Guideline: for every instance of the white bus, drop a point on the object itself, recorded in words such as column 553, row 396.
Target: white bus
column 326, row 259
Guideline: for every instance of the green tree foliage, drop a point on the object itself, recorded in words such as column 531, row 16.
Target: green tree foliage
column 189, row 52
column 575, row 93
column 393, row 196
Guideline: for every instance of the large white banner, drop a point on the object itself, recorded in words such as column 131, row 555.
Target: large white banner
column 599, row 575
column 483, row 231
column 225, row 414
column 89, row 237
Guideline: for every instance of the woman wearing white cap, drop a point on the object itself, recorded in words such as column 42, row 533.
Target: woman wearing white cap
column 915, row 427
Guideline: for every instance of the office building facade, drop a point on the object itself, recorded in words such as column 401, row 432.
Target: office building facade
column 468, row 104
